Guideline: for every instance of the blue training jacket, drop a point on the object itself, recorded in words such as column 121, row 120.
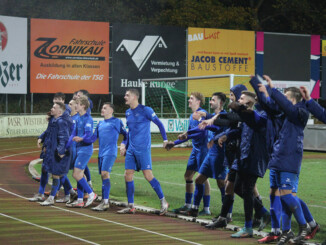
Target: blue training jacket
column 57, row 136
column 253, row 144
column 288, row 147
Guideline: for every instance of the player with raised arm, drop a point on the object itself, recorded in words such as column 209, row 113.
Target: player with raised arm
column 83, row 131
column 107, row 132
column 213, row 164
column 138, row 154
column 197, row 155
column 285, row 163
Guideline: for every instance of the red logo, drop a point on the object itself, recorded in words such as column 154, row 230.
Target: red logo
column 3, row 36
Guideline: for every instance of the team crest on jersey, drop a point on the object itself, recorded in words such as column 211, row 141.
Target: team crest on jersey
column 88, row 125
column 288, row 180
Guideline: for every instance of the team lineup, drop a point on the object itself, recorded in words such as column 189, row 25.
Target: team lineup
column 262, row 130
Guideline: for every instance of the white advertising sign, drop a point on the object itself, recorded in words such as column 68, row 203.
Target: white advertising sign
column 13, row 55
column 19, row 126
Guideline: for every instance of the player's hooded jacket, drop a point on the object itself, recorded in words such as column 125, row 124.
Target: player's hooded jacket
column 288, row 147
column 232, row 146
column 253, row 148
column 316, row 110
column 57, row 135
column 274, row 116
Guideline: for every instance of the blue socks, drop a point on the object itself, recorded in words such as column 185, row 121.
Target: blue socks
column 188, row 198
column 85, row 186
column 199, row 192
column 286, row 217
column 275, row 211
column 43, row 181
column 55, row 185
column 80, row 190
column 248, row 224
column 157, row 188
column 87, row 174
column 130, row 189
column 67, row 185
column 305, row 210
column 207, row 200
column 106, row 186
column 294, row 207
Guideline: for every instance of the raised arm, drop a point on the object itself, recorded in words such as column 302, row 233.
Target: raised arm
column 294, row 113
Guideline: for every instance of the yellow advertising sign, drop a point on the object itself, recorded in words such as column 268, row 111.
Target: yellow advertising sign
column 323, row 52
column 217, row 52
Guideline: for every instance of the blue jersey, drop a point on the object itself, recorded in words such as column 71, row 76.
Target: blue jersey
column 107, row 132
column 198, row 142
column 84, row 128
column 139, row 124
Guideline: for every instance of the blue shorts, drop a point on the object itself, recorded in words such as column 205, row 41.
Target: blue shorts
column 196, row 159
column 283, row 180
column 138, row 160
column 105, row 163
column 295, row 187
column 82, row 160
column 212, row 167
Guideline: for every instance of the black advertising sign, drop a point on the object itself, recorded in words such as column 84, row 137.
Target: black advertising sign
column 146, row 51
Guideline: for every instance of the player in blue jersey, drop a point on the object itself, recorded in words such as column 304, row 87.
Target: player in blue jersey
column 107, row 132
column 138, row 153
column 83, row 131
column 197, row 156
column 56, row 155
column 77, row 94
column 213, row 164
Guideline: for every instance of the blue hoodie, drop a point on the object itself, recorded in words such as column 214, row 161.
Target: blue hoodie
column 237, row 90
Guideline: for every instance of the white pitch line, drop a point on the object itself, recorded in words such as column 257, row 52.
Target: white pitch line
column 18, row 154
column 49, row 229
column 109, row 221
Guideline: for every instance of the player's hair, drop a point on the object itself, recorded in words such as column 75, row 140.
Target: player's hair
column 61, row 105
column 85, row 92
column 199, row 96
column 110, row 104
column 252, row 97
column 59, row 95
column 83, row 100
column 221, row 96
column 295, row 93
column 133, row 91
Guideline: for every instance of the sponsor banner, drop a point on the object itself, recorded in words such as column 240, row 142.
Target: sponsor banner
column 69, row 55
column 219, row 52
column 146, row 51
column 171, row 125
column 20, row 126
column 13, row 55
